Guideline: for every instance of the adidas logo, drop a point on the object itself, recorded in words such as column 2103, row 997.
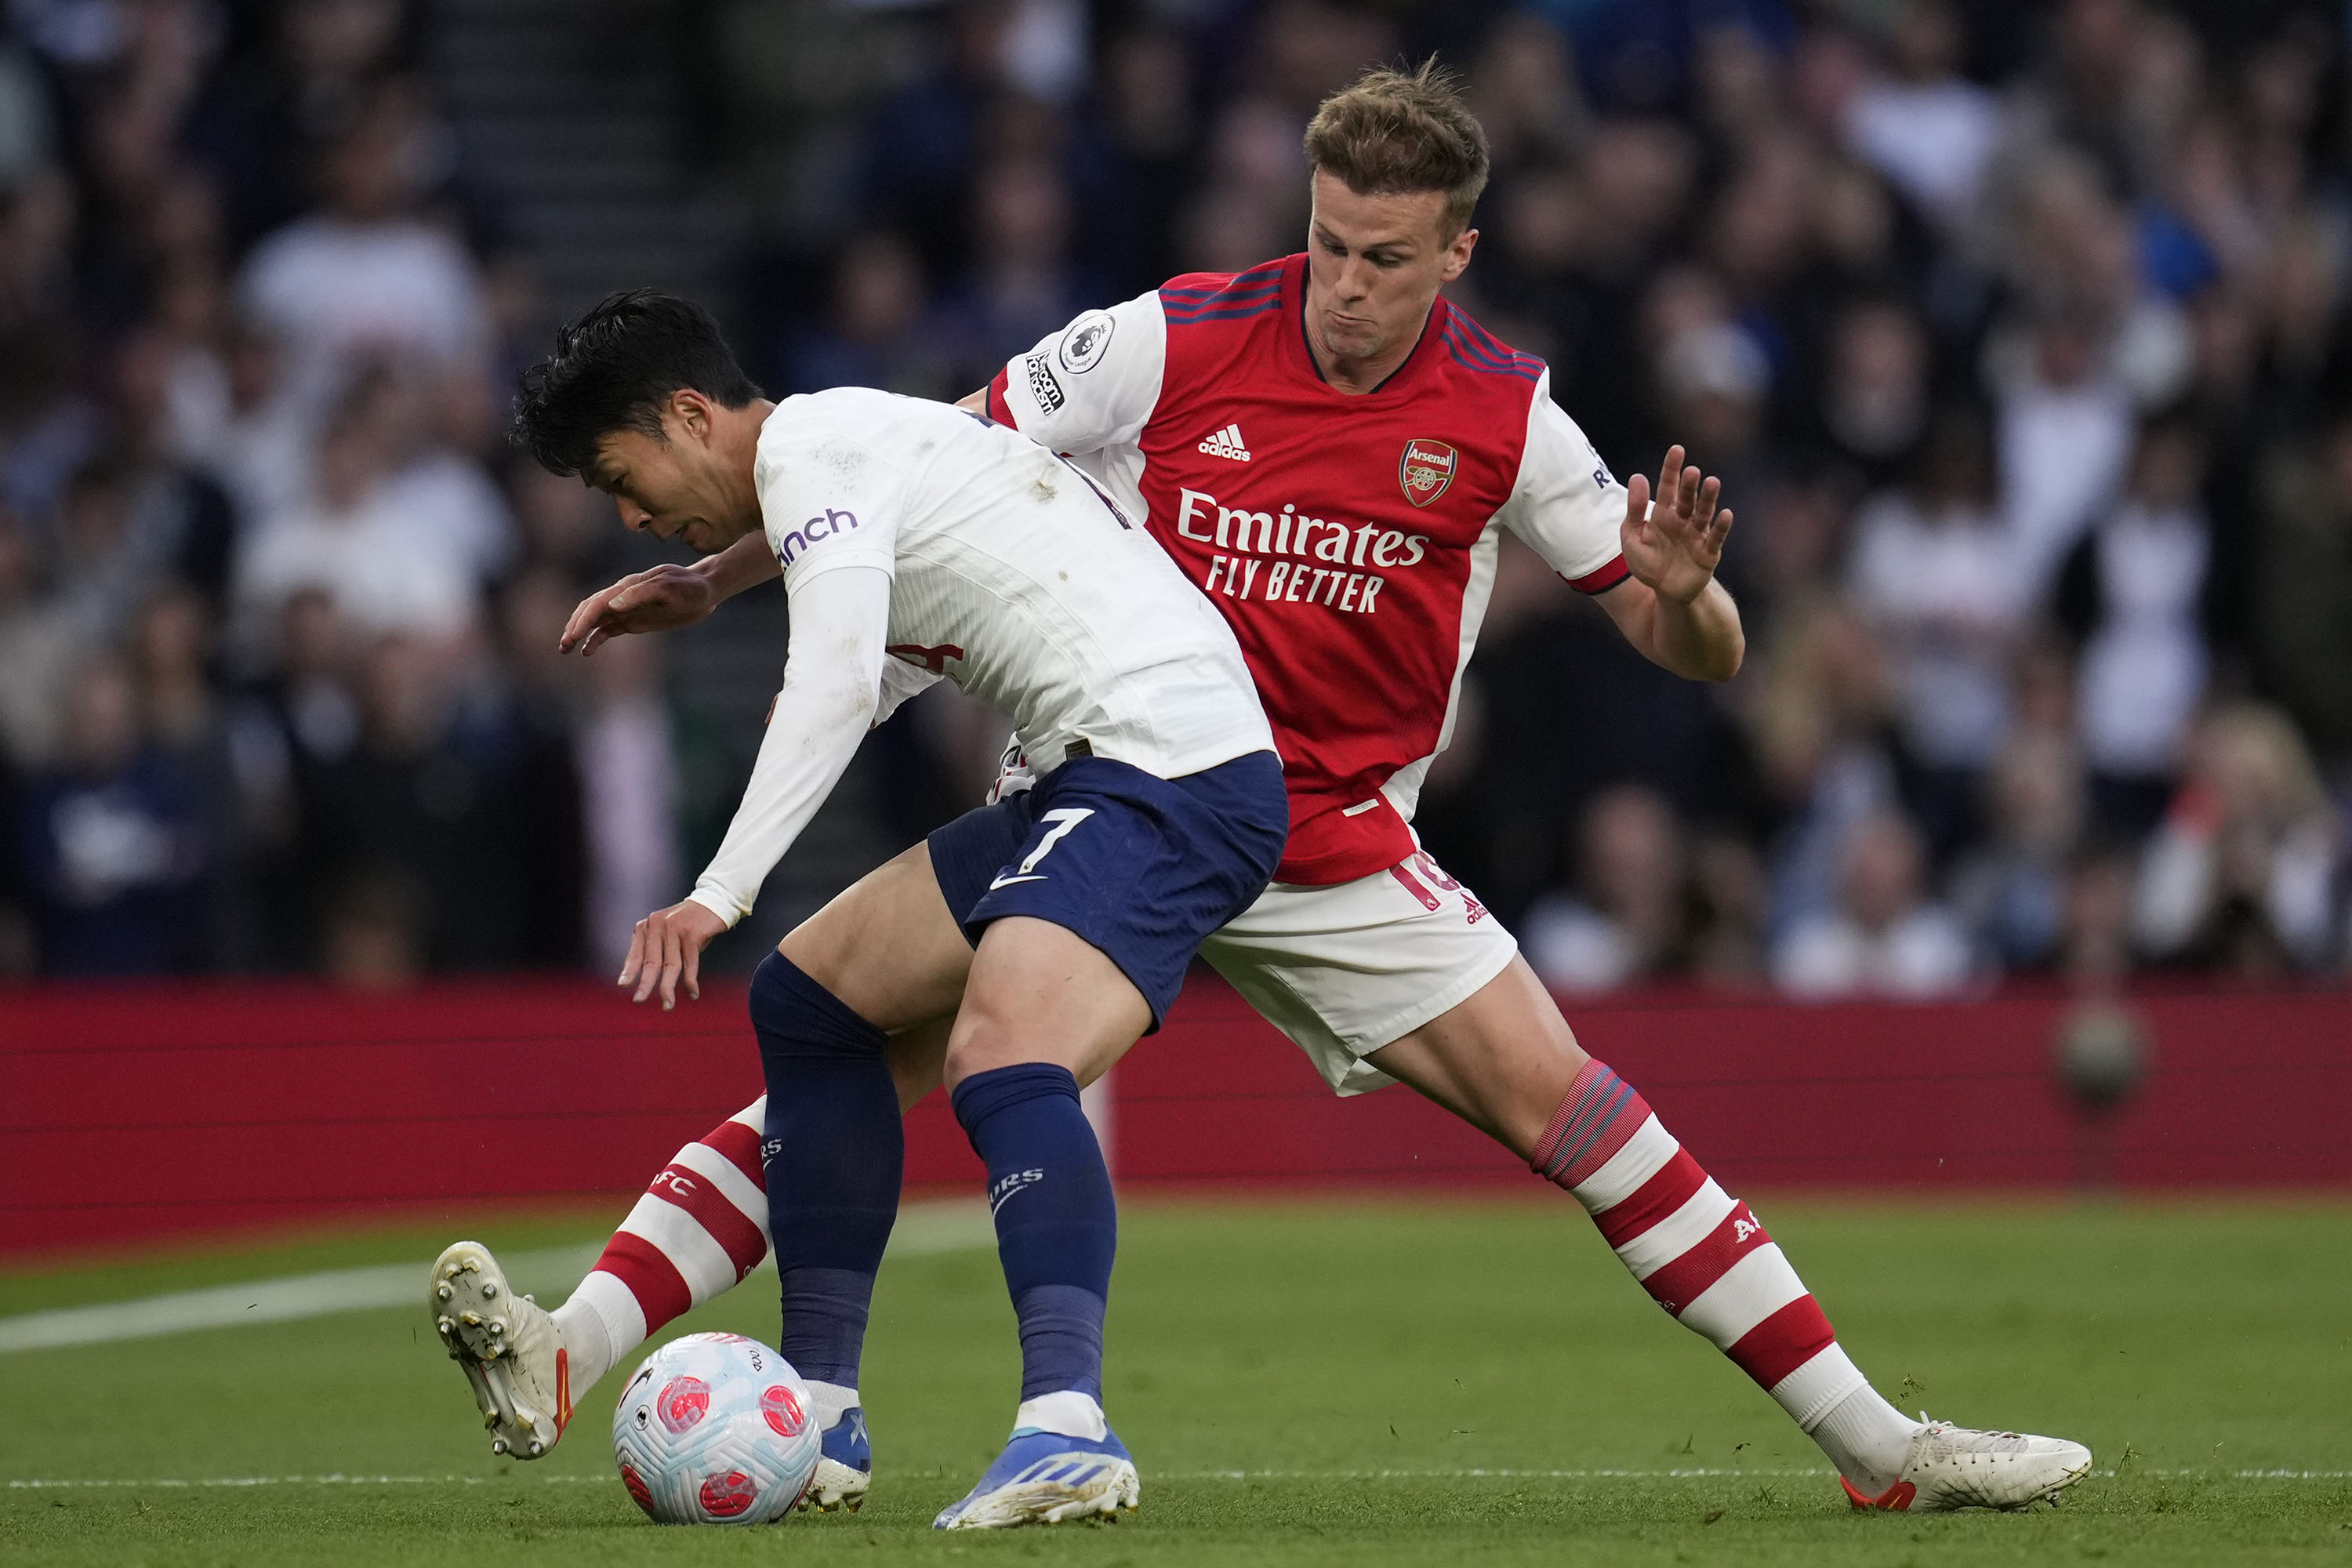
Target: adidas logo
column 1227, row 443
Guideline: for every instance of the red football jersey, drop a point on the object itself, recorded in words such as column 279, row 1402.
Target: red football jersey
column 1349, row 540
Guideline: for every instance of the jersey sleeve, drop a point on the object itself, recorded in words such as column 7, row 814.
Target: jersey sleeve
column 1091, row 385
column 1567, row 505
column 829, row 500
column 833, row 666
column 902, row 681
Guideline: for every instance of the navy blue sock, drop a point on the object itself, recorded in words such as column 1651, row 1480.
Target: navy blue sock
column 835, row 1153
column 1057, row 1223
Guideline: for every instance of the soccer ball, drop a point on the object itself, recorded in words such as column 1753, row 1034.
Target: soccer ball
column 715, row 1430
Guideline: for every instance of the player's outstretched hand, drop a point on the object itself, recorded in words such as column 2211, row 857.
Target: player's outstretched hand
column 667, row 949
column 660, row 600
column 1676, row 545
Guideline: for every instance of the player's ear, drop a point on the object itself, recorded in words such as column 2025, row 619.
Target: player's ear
column 692, row 414
column 1457, row 254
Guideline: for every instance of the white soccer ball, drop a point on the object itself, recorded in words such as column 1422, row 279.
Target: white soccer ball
column 715, row 1430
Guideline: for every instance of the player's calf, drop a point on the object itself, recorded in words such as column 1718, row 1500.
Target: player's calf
column 700, row 1229
column 1705, row 1257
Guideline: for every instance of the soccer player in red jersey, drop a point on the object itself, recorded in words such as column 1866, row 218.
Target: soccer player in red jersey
column 1331, row 451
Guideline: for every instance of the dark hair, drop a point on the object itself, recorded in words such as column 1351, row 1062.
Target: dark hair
column 1393, row 132
column 613, row 368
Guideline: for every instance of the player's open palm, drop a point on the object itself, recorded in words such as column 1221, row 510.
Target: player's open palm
column 660, row 600
column 1676, row 545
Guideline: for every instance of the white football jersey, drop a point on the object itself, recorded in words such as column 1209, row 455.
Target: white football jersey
column 1011, row 575
column 996, row 565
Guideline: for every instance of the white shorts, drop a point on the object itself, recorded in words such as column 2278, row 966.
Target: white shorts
column 1345, row 969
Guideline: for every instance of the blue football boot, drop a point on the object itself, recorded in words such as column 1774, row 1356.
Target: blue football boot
column 844, row 1467
column 1044, row 1478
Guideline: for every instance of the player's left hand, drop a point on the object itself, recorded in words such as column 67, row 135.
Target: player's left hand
column 667, row 948
column 1676, row 545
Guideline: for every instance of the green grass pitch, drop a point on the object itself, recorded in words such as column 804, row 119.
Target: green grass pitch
column 1367, row 1383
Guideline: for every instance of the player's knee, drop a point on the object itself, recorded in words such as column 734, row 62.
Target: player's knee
column 980, row 1042
column 795, row 1016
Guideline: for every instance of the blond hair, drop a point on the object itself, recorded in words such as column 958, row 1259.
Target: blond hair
column 1390, row 132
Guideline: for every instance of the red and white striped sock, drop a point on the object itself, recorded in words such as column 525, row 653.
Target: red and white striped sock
column 699, row 1231
column 1703, row 1255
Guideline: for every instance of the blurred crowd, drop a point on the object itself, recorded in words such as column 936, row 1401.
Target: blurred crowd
column 2019, row 333
column 278, row 613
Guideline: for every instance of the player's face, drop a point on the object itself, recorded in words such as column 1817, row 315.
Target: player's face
column 670, row 486
column 1374, row 265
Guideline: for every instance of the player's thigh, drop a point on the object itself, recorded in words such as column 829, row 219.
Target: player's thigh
column 887, row 946
column 1502, row 1060
column 1089, row 925
column 918, row 1059
column 1345, row 969
column 1040, row 993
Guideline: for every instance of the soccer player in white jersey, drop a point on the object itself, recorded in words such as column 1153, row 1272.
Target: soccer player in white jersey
column 917, row 542
column 1330, row 450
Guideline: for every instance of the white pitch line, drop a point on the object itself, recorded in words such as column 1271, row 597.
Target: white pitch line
column 1595, row 1475
column 923, row 1229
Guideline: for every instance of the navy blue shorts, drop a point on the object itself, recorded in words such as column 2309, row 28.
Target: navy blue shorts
column 1141, row 867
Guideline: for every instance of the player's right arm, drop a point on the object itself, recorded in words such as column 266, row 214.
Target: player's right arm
column 838, row 567
column 668, row 596
column 1090, row 385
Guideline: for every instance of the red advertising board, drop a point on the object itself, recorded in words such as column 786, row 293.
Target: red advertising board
column 133, row 1113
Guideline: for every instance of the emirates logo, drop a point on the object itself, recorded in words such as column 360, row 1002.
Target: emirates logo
column 1425, row 470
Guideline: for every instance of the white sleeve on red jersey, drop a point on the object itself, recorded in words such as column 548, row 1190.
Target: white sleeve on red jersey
column 1093, row 385
column 1567, row 504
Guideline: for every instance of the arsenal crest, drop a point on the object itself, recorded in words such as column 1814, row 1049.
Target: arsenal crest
column 1425, row 470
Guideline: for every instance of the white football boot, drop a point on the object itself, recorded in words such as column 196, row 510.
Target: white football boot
column 844, row 1466
column 509, row 1347
column 1953, row 1466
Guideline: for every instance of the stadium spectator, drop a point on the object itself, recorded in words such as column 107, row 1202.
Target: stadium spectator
column 298, row 718
column 373, row 938
column 1922, row 125
column 37, row 645
column 1137, row 157
column 113, row 840
column 427, row 798
column 2095, row 951
column 2241, row 875
column 1886, row 938
column 875, row 333
column 628, row 786
column 1935, row 571
column 1733, row 897
column 366, row 535
column 1874, row 403
column 235, row 416
column 363, row 277
column 1631, row 922
column 48, row 428
column 1819, row 721
column 2012, row 889
column 2065, row 434
column 2301, row 578
column 2134, row 590
column 1020, row 283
